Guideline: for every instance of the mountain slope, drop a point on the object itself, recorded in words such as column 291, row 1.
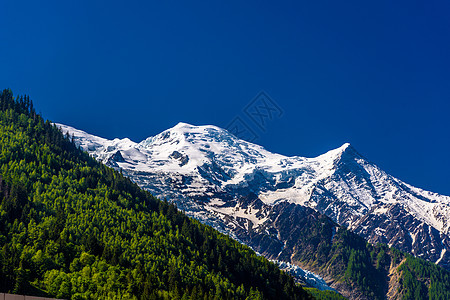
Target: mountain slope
column 261, row 199
column 73, row 228
column 209, row 168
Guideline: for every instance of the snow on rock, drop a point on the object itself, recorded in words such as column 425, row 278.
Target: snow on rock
column 197, row 165
column 311, row 279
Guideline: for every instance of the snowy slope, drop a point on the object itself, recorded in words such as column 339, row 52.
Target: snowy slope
column 207, row 171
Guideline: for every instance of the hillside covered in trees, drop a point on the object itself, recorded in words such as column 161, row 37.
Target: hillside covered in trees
column 72, row 228
column 358, row 269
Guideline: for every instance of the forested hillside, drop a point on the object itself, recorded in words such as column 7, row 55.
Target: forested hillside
column 356, row 268
column 72, row 228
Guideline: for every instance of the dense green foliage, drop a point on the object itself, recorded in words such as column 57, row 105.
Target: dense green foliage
column 362, row 269
column 73, row 228
column 347, row 258
column 325, row 295
column 423, row 280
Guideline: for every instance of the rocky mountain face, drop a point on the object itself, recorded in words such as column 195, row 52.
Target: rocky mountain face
column 262, row 198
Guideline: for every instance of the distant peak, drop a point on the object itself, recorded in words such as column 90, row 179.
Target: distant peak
column 182, row 124
column 338, row 153
column 347, row 152
column 345, row 146
column 185, row 127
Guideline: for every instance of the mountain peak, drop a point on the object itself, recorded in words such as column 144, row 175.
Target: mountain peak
column 214, row 164
column 338, row 152
column 183, row 124
column 193, row 130
column 345, row 146
column 347, row 154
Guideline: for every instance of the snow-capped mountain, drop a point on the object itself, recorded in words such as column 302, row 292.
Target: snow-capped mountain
column 242, row 189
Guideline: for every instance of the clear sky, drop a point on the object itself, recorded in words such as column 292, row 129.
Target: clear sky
column 372, row 73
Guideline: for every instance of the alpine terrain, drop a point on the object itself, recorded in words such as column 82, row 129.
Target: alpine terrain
column 72, row 228
column 268, row 201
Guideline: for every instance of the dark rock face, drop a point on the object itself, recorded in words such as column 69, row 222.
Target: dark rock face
column 114, row 159
column 301, row 236
column 183, row 159
column 397, row 227
column 213, row 173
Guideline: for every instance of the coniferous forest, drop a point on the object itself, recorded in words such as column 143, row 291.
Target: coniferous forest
column 72, row 228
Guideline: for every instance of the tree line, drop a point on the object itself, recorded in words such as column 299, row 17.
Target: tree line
column 73, row 228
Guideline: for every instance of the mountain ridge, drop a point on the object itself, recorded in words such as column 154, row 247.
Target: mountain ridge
column 210, row 169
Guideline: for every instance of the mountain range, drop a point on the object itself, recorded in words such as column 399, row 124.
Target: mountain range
column 235, row 185
column 270, row 201
column 71, row 227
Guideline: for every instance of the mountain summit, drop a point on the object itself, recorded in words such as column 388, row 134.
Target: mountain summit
column 208, row 172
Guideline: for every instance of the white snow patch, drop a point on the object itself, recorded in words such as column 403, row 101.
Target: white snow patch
column 310, row 278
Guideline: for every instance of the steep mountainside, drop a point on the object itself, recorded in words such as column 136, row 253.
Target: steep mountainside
column 265, row 200
column 71, row 227
column 208, row 172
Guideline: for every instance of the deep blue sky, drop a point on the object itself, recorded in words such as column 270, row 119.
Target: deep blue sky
column 375, row 74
